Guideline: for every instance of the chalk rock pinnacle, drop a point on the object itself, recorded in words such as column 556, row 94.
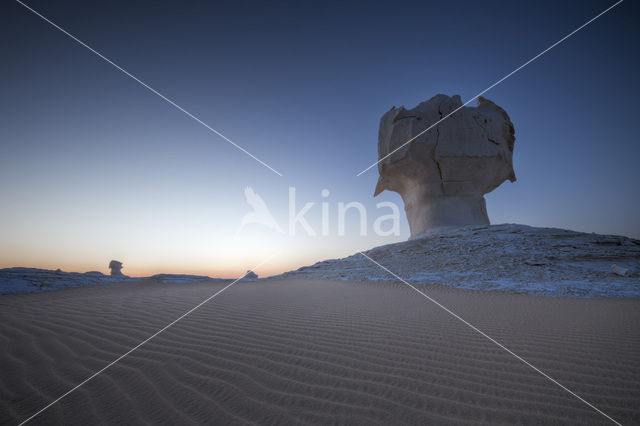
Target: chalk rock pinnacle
column 443, row 174
column 116, row 268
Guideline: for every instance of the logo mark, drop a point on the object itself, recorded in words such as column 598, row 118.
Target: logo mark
column 260, row 214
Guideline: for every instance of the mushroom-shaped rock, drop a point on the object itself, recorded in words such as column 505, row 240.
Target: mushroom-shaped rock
column 116, row 268
column 443, row 173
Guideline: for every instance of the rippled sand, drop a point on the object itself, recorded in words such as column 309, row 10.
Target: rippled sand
column 303, row 351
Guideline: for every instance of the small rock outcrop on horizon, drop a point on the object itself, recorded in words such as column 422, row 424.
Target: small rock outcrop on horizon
column 116, row 268
column 250, row 275
column 443, row 174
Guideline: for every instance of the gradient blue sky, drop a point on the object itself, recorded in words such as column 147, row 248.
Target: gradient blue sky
column 95, row 167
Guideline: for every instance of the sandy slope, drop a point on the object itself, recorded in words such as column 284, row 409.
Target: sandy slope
column 296, row 351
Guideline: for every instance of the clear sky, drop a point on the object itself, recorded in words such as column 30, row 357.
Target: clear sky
column 94, row 167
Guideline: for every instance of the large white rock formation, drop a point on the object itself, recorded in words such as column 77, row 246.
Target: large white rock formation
column 443, row 174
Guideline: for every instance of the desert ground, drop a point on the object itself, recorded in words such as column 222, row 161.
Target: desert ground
column 299, row 351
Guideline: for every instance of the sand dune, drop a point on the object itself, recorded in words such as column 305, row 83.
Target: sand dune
column 296, row 351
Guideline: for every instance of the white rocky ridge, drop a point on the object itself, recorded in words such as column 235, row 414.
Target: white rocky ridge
column 443, row 172
column 34, row 280
column 514, row 258
column 31, row 280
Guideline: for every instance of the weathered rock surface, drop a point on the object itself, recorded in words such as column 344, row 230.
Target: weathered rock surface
column 513, row 258
column 31, row 280
column 443, row 174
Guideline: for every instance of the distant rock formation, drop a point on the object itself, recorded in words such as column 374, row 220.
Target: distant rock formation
column 250, row 274
column 30, row 280
column 116, row 268
column 443, row 174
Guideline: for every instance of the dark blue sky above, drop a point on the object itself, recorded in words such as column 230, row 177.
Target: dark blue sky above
column 90, row 156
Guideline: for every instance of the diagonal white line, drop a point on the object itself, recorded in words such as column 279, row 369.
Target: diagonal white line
column 494, row 84
column 482, row 333
column 152, row 89
column 142, row 343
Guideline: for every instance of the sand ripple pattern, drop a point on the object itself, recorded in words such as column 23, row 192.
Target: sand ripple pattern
column 315, row 352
